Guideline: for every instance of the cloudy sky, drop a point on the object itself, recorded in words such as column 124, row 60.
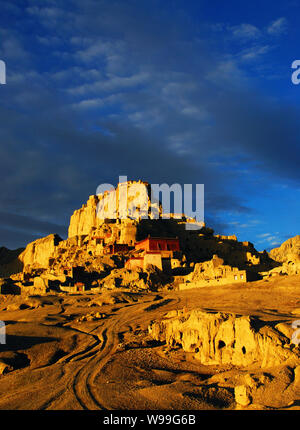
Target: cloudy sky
column 166, row 91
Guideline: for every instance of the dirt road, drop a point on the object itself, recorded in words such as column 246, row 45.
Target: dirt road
column 93, row 351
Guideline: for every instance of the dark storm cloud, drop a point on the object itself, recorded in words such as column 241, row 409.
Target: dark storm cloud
column 267, row 131
column 16, row 229
column 127, row 90
column 14, row 239
column 22, row 222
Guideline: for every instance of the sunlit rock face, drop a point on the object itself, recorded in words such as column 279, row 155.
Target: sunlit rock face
column 130, row 200
column 39, row 251
column 219, row 338
column 289, row 251
column 84, row 219
column 288, row 254
column 109, row 221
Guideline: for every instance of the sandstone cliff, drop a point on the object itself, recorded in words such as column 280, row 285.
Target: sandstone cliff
column 288, row 251
column 218, row 338
column 37, row 253
column 84, row 219
column 108, row 219
column 112, row 205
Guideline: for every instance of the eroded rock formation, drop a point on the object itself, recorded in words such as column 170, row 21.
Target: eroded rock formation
column 103, row 235
column 287, row 251
column 287, row 257
column 113, row 205
column 37, row 253
column 219, row 338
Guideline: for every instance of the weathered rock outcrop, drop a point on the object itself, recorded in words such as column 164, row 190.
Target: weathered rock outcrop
column 84, row 219
column 214, row 269
column 288, row 251
column 113, row 205
column 108, row 221
column 285, row 269
column 135, row 280
column 219, row 338
column 37, row 253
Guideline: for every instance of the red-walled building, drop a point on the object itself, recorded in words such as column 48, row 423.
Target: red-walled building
column 116, row 247
column 164, row 245
column 154, row 250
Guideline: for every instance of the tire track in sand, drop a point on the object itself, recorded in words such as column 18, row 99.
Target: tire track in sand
column 83, row 384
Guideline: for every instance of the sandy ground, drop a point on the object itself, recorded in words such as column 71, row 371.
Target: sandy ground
column 93, row 351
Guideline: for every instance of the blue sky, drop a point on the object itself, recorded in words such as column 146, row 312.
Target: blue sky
column 166, row 91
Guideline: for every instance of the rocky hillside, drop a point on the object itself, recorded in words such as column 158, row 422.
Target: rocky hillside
column 38, row 252
column 219, row 338
column 288, row 251
column 111, row 205
column 103, row 234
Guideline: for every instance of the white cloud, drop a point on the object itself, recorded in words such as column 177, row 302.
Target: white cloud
column 95, row 51
column 89, row 103
column 272, row 239
column 254, row 52
column 11, row 47
column 245, row 31
column 278, row 26
column 264, row 235
column 45, row 12
column 96, row 102
column 112, row 83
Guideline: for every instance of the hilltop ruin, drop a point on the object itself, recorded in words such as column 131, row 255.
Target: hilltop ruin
column 127, row 252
